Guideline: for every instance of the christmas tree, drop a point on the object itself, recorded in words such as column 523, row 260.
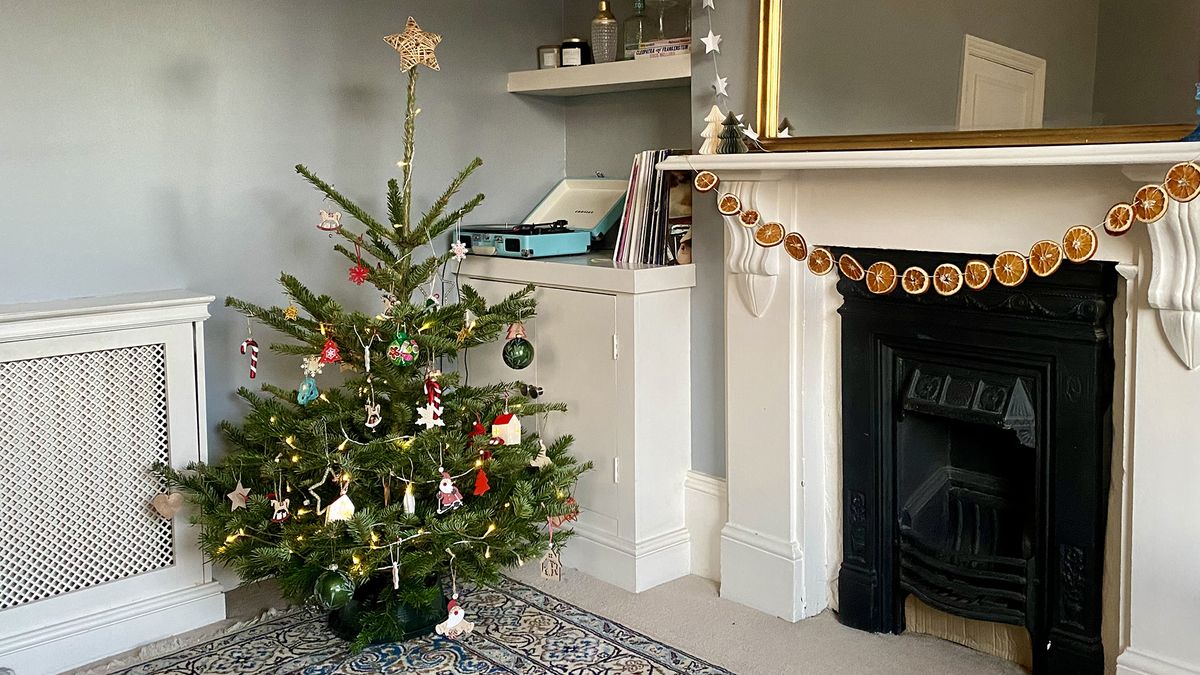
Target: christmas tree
column 731, row 137
column 711, row 132
column 372, row 495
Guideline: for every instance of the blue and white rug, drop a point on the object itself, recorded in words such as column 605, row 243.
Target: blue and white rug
column 518, row 631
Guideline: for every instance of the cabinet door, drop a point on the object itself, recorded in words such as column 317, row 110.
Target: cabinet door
column 573, row 362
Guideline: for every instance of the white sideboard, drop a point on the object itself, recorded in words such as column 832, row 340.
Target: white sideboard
column 93, row 392
column 614, row 345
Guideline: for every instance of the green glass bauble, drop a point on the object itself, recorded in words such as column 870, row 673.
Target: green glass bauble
column 334, row 589
column 518, row 353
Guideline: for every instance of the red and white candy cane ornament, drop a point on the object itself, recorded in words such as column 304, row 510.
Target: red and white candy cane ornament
column 433, row 393
column 250, row 345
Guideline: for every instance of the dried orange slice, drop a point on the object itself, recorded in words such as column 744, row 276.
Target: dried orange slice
column 1150, row 203
column 706, row 181
column 850, row 267
column 947, row 279
column 820, row 261
column 1045, row 257
column 769, row 234
column 882, row 277
column 748, row 218
column 795, row 246
column 1010, row 268
column 915, row 281
column 1079, row 244
column 1183, row 182
column 729, row 204
column 977, row 274
column 1119, row 219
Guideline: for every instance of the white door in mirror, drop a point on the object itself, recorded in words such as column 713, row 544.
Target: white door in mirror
column 1001, row 88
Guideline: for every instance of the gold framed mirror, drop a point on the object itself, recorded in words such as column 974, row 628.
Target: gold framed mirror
column 1030, row 74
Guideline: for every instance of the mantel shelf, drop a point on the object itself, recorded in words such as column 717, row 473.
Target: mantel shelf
column 602, row 78
column 1121, row 154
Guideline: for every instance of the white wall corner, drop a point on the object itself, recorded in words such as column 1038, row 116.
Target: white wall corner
column 706, row 499
column 1135, row 662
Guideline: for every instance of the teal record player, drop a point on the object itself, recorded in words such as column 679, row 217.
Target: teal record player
column 569, row 221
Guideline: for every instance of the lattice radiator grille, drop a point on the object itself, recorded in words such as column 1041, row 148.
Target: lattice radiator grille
column 78, row 434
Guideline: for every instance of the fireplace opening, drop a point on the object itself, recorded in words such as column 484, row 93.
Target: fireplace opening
column 975, row 458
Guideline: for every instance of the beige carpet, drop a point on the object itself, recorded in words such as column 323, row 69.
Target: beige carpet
column 689, row 614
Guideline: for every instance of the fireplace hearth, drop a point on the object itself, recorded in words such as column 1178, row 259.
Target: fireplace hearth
column 976, row 445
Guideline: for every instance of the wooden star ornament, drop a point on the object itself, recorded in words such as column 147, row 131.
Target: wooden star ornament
column 415, row 46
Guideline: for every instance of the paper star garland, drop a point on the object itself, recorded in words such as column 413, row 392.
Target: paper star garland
column 708, row 4
column 721, row 85
column 415, row 46
column 237, row 498
column 712, row 43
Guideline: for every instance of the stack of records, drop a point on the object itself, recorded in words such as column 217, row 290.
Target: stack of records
column 658, row 214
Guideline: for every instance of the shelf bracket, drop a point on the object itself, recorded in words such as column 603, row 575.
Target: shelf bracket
column 754, row 268
column 1175, row 278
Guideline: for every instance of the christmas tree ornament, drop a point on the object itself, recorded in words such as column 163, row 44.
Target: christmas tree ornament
column 341, row 509
column 308, row 391
column 373, row 416
column 360, row 272
column 551, row 565
column 507, row 428
column 279, row 508
column 237, row 498
column 333, row 589
column 710, row 135
column 731, row 136
column 312, row 366
column 429, row 417
column 481, row 483
column 249, row 345
column 543, row 458
column 403, row 350
column 330, row 222
column 330, row 352
column 459, row 250
column 456, row 624
column 415, row 46
column 291, row 313
column 518, row 353
column 167, row 504
column 410, row 499
column 448, row 497
column 712, row 43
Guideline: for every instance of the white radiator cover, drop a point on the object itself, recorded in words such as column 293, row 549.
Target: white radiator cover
column 93, row 392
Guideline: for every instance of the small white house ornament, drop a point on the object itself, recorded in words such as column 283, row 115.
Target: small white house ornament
column 507, row 427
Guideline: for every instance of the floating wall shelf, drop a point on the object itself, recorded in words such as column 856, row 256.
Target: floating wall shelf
column 668, row 71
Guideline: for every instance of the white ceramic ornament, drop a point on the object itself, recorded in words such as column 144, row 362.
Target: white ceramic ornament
column 237, row 498
column 373, row 416
column 551, row 566
column 167, row 504
column 410, row 500
column 448, row 497
column 543, row 459
column 507, row 427
column 341, row 509
column 280, row 509
column 456, row 624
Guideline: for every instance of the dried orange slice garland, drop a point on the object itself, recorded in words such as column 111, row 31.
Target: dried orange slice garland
column 1010, row 268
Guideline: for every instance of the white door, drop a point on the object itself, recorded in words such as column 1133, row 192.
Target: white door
column 1001, row 88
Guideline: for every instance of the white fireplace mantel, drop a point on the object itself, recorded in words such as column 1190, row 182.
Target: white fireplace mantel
column 780, row 549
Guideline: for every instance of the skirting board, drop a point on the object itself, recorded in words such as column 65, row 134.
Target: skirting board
column 81, row 640
column 634, row 567
column 707, row 504
column 1135, row 662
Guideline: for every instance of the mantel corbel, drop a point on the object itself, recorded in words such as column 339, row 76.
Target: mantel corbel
column 1175, row 278
column 754, row 269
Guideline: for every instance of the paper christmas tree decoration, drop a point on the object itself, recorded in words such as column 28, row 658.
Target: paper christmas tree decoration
column 710, row 133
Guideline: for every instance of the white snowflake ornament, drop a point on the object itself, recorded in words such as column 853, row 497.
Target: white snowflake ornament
column 428, row 417
column 312, row 366
column 459, row 250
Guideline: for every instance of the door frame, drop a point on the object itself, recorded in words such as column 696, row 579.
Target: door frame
column 1005, row 56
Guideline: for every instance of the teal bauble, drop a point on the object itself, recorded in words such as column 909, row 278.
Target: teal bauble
column 518, row 353
column 334, row 589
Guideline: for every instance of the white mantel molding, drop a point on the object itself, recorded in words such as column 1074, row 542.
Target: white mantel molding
column 756, row 179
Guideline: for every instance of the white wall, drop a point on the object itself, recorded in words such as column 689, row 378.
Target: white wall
column 148, row 145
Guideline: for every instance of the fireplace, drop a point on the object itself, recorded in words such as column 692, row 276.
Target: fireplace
column 976, row 443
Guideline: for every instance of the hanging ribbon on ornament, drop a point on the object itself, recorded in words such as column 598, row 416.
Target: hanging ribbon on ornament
column 250, row 345
column 359, row 273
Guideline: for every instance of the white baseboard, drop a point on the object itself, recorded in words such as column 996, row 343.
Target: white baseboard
column 1133, row 661
column 634, row 566
column 707, row 504
column 77, row 641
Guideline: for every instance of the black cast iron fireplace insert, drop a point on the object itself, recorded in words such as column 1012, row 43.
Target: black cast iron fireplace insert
column 975, row 454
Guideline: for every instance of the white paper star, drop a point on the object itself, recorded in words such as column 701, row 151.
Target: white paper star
column 428, row 417
column 312, row 366
column 712, row 43
column 785, row 133
column 721, row 84
column 238, row 497
column 708, row 4
column 459, row 250
column 750, row 132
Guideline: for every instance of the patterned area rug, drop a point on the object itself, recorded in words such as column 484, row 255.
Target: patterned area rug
column 518, row 630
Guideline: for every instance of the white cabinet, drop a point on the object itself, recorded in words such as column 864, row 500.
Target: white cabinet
column 614, row 345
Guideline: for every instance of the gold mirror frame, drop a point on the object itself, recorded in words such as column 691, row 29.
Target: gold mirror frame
column 770, row 46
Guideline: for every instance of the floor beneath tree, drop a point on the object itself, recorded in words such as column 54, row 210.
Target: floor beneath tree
column 689, row 614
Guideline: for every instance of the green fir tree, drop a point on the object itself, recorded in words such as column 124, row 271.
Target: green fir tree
column 311, row 454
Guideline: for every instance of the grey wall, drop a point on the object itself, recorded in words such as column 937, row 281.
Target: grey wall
column 866, row 66
column 1146, row 64
column 150, row 145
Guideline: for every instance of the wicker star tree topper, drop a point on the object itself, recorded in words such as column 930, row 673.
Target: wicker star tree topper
column 415, row 46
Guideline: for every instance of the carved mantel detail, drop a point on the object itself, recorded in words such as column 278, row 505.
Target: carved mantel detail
column 755, row 269
column 1175, row 278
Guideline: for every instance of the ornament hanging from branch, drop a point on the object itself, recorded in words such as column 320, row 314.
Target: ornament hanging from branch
column 237, row 498
column 403, row 350
column 308, row 391
column 330, row 352
column 249, row 345
column 448, row 497
column 360, row 272
column 456, row 624
column 330, row 222
column 168, row 504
